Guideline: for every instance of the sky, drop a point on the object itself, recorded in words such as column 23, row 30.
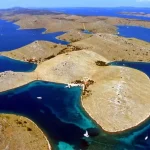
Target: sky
column 73, row 3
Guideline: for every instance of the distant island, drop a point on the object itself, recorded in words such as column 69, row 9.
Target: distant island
column 115, row 97
column 142, row 14
column 20, row 10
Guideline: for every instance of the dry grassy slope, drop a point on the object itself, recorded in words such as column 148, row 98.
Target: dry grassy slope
column 10, row 80
column 74, row 36
column 37, row 49
column 123, row 21
column 66, row 22
column 54, row 23
column 19, row 133
column 120, row 96
column 68, row 67
column 117, row 48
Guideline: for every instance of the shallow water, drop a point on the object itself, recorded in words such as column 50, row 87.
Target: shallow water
column 55, row 108
column 7, row 64
column 58, row 112
column 134, row 32
column 11, row 37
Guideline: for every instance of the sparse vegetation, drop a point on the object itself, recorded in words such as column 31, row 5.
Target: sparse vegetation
column 101, row 63
column 49, row 57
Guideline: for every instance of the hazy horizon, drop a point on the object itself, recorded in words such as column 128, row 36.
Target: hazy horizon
column 77, row 7
column 77, row 3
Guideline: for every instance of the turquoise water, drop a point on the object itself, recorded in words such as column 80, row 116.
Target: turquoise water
column 10, row 33
column 57, row 112
column 7, row 64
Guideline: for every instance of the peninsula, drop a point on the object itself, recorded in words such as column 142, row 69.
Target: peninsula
column 119, row 97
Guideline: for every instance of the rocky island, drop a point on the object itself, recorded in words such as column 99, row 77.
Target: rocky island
column 119, row 97
column 143, row 14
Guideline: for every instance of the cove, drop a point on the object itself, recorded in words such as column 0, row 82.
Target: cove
column 57, row 112
column 134, row 32
column 141, row 66
column 11, row 37
column 7, row 64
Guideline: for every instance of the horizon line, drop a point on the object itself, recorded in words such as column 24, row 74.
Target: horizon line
column 77, row 7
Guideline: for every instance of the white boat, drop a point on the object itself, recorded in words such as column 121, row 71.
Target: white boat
column 39, row 98
column 146, row 138
column 86, row 134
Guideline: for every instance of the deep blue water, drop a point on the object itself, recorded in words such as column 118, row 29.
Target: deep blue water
column 11, row 37
column 58, row 113
column 142, row 66
column 134, row 32
column 112, row 12
column 7, row 64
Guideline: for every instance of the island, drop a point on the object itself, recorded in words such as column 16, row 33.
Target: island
column 117, row 98
column 141, row 14
column 113, row 87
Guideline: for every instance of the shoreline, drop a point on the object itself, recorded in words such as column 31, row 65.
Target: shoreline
column 120, row 133
column 122, row 85
column 13, row 115
column 89, row 61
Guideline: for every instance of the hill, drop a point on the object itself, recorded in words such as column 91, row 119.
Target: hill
column 119, row 94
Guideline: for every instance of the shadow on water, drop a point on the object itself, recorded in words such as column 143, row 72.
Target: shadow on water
column 10, row 33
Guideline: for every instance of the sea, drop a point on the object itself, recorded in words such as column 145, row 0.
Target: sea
column 57, row 110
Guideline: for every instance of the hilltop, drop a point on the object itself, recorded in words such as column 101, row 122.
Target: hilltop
column 116, row 48
column 39, row 50
column 118, row 93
